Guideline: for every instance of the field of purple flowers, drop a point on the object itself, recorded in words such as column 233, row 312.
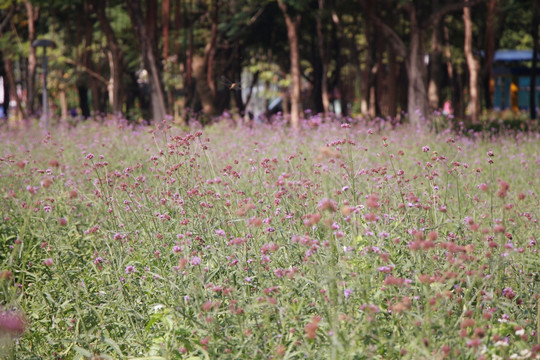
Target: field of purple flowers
column 332, row 242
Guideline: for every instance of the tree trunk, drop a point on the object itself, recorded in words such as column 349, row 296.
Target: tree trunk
column 179, row 20
column 116, row 62
column 8, row 62
column 489, row 51
column 93, row 84
column 315, row 103
column 366, row 81
column 88, row 63
column 455, row 91
column 189, row 89
column 32, row 12
column 210, row 49
column 417, row 104
column 391, row 77
column 165, row 21
column 203, row 90
column 285, row 96
column 380, row 94
column 334, row 81
column 150, row 62
column 165, row 15
column 63, row 105
column 151, row 22
column 532, row 88
column 177, row 25
column 324, row 61
column 82, row 91
column 294, row 52
column 435, row 67
column 472, row 65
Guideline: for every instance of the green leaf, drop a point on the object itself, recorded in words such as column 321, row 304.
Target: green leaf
column 82, row 351
column 114, row 345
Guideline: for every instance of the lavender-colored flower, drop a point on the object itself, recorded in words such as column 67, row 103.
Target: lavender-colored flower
column 347, row 293
column 195, row 261
column 508, row 293
column 385, row 269
column 220, row 232
column 130, row 269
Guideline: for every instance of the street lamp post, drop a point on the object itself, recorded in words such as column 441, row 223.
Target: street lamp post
column 45, row 111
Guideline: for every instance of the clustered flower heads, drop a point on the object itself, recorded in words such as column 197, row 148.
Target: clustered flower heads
column 339, row 240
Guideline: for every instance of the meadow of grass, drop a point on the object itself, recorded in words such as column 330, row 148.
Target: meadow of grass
column 332, row 242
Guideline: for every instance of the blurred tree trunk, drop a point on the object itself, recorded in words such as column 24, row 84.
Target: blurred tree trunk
column 456, row 93
column 165, row 16
column 417, row 105
column 355, row 51
column 178, row 20
column 8, row 63
column 367, row 76
column 151, row 23
column 63, row 104
column 435, row 65
column 292, row 24
column 472, row 64
column 335, row 80
column 165, row 19
column 144, row 38
column 116, row 60
column 324, row 61
column 380, row 98
column 82, row 55
column 95, row 95
column 203, row 90
column 88, row 63
column 82, row 91
column 210, row 49
column 489, row 51
column 33, row 13
column 189, row 89
column 315, row 103
column 532, row 88
column 237, row 74
column 414, row 53
column 391, row 87
column 202, row 67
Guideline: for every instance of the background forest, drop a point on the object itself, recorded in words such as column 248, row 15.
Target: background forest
column 146, row 59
